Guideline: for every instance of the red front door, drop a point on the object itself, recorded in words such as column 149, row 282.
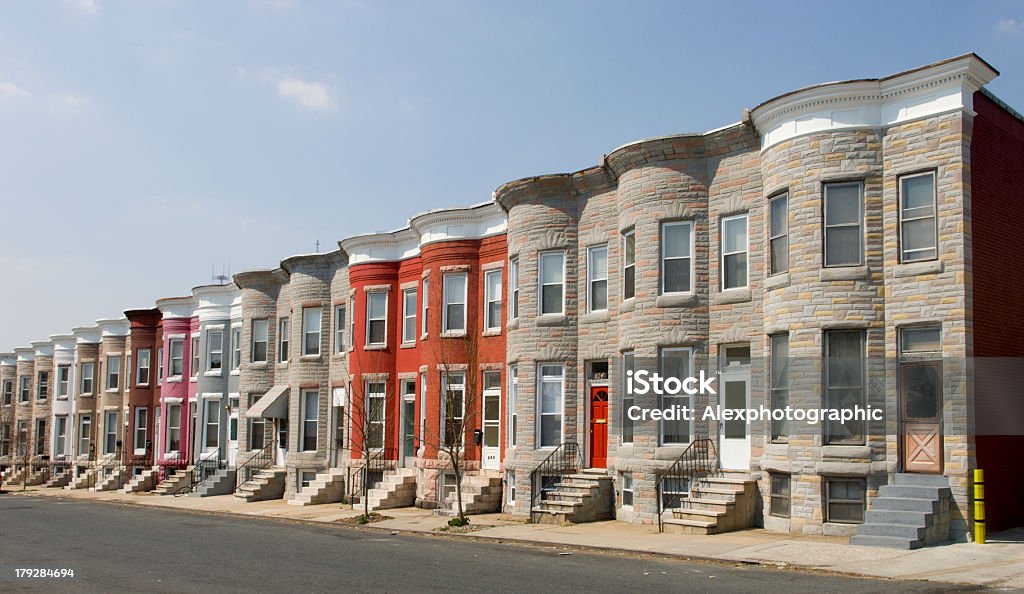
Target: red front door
column 599, row 427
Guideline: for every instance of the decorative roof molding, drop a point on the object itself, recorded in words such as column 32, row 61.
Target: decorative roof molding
column 177, row 307
column 217, row 302
column 25, row 354
column 86, row 334
column 113, row 327
column 43, row 348
column 8, row 360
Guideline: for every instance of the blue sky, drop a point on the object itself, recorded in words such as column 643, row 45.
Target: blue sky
column 257, row 128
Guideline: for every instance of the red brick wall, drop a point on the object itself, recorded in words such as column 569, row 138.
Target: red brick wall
column 997, row 206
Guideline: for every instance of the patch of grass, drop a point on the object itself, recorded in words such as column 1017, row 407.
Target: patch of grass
column 365, row 519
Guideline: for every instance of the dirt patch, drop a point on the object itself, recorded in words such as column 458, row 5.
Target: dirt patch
column 360, row 520
column 463, row 529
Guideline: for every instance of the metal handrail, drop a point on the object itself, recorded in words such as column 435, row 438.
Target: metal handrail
column 257, row 462
column 375, row 460
column 205, row 467
column 170, row 465
column 566, row 459
column 695, row 461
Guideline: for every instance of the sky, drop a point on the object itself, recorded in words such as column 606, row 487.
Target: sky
column 144, row 145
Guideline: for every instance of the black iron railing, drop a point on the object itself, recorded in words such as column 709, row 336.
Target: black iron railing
column 362, row 477
column 566, row 459
column 137, row 465
column 204, row 468
column 257, row 462
column 170, row 466
column 699, row 459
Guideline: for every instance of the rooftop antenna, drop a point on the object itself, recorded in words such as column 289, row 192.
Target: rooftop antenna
column 219, row 279
column 318, row 246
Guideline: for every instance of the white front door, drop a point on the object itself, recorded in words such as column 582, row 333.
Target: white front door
column 282, row 440
column 233, row 434
column 490, row 450
column 734, row 435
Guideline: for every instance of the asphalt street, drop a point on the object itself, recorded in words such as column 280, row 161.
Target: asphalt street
column 123, row 548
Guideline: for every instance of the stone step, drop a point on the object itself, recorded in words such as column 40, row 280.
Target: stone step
column 913, row 491
column 920, row 480
column 898, row 530
column 908, row 518
column 891, row 542
column 906, row 504
column 688, row 513
column 687, row 526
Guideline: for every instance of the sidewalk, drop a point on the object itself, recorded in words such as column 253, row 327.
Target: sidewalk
column 1000, row 563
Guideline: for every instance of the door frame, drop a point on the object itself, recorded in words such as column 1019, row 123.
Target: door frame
column 731, row 374
column 592, row 388
column 904, row 423
column 492, row 392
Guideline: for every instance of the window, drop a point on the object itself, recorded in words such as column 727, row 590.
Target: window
column 513, row 282
column 160, row 364
column 376, row 318
column 426, row 305
column 628, row 264
column 310, row 413
column 177, row 358
column 85, row 435
column 87, row 377
column 63, row 381
column 375, row 399
column 409, row 316
column 778, row 233
column 284, row 329
column 128, row 371
column 675, row 362
column 311, row 326
column 492, row 297
column 627, row 490
column 918, row 230
column 780, row 498
column 42, row 385
column 492, row 410
column 214, row 350
column 61, row 438
column 597, row 278
column 920, row 375
column 352, row 324
column 844, row 500
column 454, row 312
column 110, row 433
column 260, row 329
column 628, row 364
column 173, row 427
column 453, row 391
column 677, row 258
column 510, row 481
column 195, row 357
column 142, row 373
column 513, row 396
column 552, row 283
column 233, row 420
column 305, row 478
column 844, row 381
column 113, row 372
column 779, row 384
column 141, row 429
column 212, row 423
column 339, row 329
column 40, row 437
column 236, row 348
column 734, row 252
column 23, row 388
column 551, row 391
column 257, row 436
column 843, row 215
column 8, row 392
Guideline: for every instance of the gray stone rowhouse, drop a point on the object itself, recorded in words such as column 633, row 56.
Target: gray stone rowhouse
column 42, row 397
column 219, row 310
column 869, row 132
column 8, row 403
column 84, row 405
column 24, row 385
column 112, row 358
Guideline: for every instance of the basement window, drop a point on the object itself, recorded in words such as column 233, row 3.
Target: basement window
column 780, row 495
column 844, row 500
column 627, row 490
column 305, row 478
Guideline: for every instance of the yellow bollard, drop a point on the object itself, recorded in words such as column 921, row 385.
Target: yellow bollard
column 979, row 506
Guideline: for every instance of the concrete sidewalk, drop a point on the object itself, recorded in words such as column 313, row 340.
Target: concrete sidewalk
column 1000, row 563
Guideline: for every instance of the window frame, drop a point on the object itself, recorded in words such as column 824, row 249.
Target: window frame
column 63, row 382
column 88, row 377
column 311, row 328
column 171, row 428
column 628, row 360
column 254, row 340
column 141, row 413
column 409, row 315
column 24, row 388
column 214, row 355
column 541, row 284
column 160, row 364
column 825, row 226
column 828, row 387
column 492, row 298
column 783, row 236
column 778, row 430
column 340, row 321
column 723, row 254
column 628, row 267
column 445, row 304
column 460, row 387
column 592, row 278
column 307, row 431
column 381, row 320
column 42, row 385
column 211, row 404
column 513, row 288
column 113, row 383
column 110, row 437
column 540, row 404
column 829, row 500
column 371, row 395
column 180, row 342
column 196, row 345
column 627, row 487
column 663, row 258
column 236, row 348
column 934, row 216
column 143, row 363
column 284, row 335
column 663, row 400
column 513, row 396
column 786, row 495
column 425, row 307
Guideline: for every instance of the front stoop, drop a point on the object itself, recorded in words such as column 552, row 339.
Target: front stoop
column 398, row 489
column 910, row 513
column 221, row 482
column 327, row 487
column 724, row 502
column 481, row 494
column 13, row 476
column 586, row 496
column 113, row 481
column 174, row 481
column 266, row 484
column 60, row 479
column 141, row 482
column 38, row 477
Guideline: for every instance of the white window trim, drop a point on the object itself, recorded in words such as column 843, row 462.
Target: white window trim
column 689, row 372
column 284, row 339
column 407, row 313
column 934, row 215
column 135, row 431
column 304, row 420
column 110, row 374
column 771, row 257
column 384, row 412
column 489, row 324
column 541, row 285
column 253, row 342
column 425, row 306
column 195, row 356
column 340, row 329
column 209, row 352
column 825, row 226
column 663, row 258
column 445, row 331
column 625, row 237
column 540, row 407
column 513, row 396
column 445, row 385
column 513, row 288
column 591, row 279
column 139, row 368
column 746, row 250
column 306, row 332
column 369, row 296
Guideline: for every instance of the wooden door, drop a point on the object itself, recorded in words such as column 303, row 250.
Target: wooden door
column 921, row 416
column 599, row 427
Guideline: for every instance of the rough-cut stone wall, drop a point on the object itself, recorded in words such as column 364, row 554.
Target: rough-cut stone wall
column 260, row 290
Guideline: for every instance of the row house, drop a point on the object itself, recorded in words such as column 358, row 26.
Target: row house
column 174, row 418
column 62, row 412
column 143, row 401
column 8, row 419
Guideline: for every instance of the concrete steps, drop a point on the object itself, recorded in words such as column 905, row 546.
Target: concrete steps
column 585, row 496
column 60, row 479
column 481, row 494
column 142, row 482
column 174, row 481
column 719, row 503
column 910, row 513
column 327, row 487
column 85, row 479
column 221, row 482
column 398, row 489
column 113, row 480
column 264, row 485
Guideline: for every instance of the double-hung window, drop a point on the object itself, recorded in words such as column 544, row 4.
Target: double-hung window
column 8, row 392
column 409, row 316
column 284, row 330
column 677, row 257
column 143, row 363
column 376, row 318
column 310, row 414
column 778, row 233
column 779, row 383
column 552, row 283
column 597, row 278
column 141, row 427
column 844, row 500
column 675, row 363
column 376, row 411
column 513, row 285
column 628, row 364
column 453, row 394
column 214, row 350
column 844, row 215
column 426, row 306
column 734, row 252
column 23, row 388
column 844, row 383
column 42, row 385
column 918, row 228
column 339, row 329
column 177, row 357
column 88, row 371
column 236, row 348
column 160, row 364
column 196, row 357
column 110, row 433
column 213, row 410
column 63, row 381
column 513, row 396
column 41, row 436
column 173, row 427
column 260, row 331
column 454, row 312
column 551, row 394
column 84, row 435
column 311, row 320
column 492, row 300
column 780, row 495
column 629, row 264
column 113, row 372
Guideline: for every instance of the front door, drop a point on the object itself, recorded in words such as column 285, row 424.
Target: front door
column 491, row 446
column 599, row 427
column 409, row 432
column 282, row 440
column 233, row 433
column 734, row 435
column 920, row 416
